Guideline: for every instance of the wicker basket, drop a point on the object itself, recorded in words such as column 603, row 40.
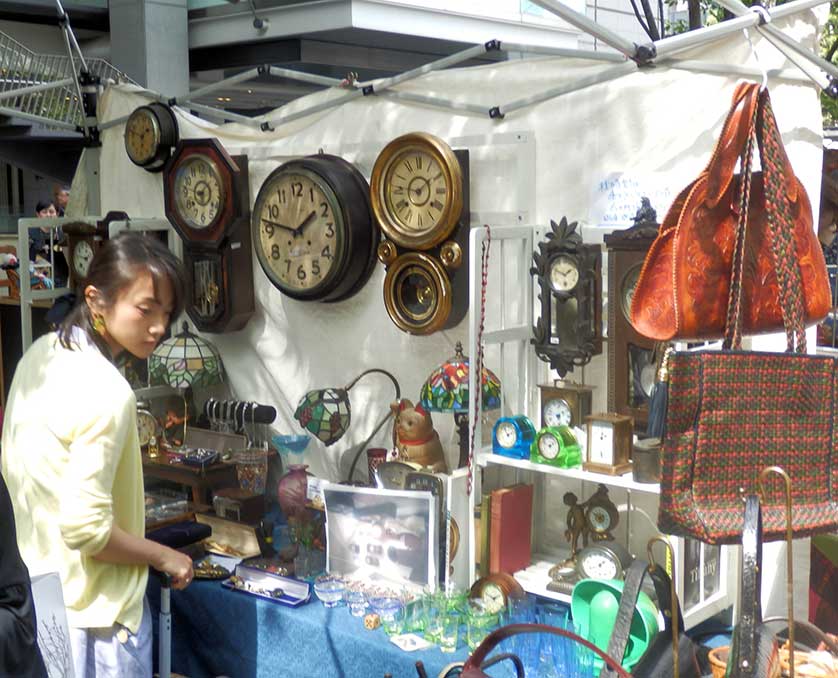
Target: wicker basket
column 718, row 660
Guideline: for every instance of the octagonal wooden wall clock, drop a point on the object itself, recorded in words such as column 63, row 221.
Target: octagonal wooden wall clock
column 206, row 198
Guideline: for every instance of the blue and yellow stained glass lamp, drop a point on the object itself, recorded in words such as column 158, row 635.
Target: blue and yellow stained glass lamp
column 446, row 390
column 185, row 360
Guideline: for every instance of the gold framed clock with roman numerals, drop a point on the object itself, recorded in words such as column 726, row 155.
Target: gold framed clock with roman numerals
column 419, row 191
column 207, row 197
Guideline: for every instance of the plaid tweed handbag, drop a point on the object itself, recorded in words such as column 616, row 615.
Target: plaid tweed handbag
column 684, row 284
column 731, row 413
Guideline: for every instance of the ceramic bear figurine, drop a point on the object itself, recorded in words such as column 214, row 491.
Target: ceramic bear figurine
column 415, row 437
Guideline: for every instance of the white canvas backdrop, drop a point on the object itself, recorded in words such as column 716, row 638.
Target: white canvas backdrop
column 656, row 126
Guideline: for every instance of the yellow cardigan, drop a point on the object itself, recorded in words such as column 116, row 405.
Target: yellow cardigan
column 71, row 460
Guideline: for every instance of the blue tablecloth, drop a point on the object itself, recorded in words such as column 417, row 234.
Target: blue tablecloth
column 216, row 631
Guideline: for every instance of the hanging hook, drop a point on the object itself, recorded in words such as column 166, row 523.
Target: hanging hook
column 673, row 594
column 767, row 471
column 764, row 18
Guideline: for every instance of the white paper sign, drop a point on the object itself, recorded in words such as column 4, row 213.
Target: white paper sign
column 617, row 197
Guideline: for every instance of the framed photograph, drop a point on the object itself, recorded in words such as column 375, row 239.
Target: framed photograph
column 385, row 537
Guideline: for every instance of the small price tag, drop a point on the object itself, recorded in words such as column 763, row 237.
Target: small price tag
column 410, row 642
column 314, row 491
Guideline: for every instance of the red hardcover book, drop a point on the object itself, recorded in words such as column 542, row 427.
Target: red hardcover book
column 511, row 525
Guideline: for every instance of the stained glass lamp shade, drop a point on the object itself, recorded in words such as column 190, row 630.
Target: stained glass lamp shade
column 446, row 390
column 185, row 360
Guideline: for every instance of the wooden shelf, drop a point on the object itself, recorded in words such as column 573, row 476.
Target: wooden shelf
column 624, row 481
column 534, row 579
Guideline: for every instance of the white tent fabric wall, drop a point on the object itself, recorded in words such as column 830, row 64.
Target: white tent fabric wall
column 657, row 121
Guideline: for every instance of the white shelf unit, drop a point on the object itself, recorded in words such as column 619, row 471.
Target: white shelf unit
column 637, row 502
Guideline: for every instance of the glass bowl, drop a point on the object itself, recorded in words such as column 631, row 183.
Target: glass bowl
column 293, row 443
column 329, row 590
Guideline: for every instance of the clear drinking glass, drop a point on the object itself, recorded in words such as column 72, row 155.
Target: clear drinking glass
column 449, row 632
column 357, row 602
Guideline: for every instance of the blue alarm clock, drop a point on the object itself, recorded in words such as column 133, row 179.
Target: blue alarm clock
column 513, row 437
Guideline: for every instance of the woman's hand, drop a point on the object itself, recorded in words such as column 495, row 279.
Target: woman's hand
column 177, row 565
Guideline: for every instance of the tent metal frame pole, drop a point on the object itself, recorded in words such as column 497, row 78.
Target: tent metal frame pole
column 696, row 66
column 69, row 36
column 33, row 89
column 574, row 18
column 222, row 115
column 267, row 124
column 221, row 84
column 617, row 71
column 49, row 122
column 769, row 31
column 562, row 51
column 437, row 65
column 437, row 102
column 291, row 74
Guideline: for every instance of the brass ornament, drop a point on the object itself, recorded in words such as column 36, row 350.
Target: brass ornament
column 417, row 293
column 387, row 252
column 451, row 254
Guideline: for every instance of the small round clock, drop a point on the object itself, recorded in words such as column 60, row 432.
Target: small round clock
column 495, row 590
column 146, row 426
column 564, row 273
column 601, row 515
column 556, row 446
column 312, row 229
column 627, row 286
column 416, row 190
column 603, row 560
column 150, row 133
column 81, row 257
column 513, row 437
column 199, row 191
column 556, row 412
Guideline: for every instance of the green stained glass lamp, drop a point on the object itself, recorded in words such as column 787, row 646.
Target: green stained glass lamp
column 185, row 360
column 326, row 413
column 446, row 390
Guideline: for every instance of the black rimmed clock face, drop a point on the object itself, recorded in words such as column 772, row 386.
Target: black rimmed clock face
column 199, row 191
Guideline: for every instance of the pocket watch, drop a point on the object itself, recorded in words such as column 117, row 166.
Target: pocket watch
column 150, row 133
column 494, row 591
column 513, row 437
column 416, row 190
column 603, row 560
column 556, row 446
column 312, row 229
column 205, row 191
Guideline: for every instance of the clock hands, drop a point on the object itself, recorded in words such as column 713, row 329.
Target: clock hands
column 293, row 231
column 299, row 230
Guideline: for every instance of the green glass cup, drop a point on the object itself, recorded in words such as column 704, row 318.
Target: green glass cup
column 479, row 623
column 416, row 616
column 450, row 632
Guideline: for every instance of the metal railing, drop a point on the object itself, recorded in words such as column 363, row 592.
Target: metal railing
column 43, row 84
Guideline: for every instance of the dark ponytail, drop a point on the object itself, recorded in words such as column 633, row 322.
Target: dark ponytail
column 115, row 266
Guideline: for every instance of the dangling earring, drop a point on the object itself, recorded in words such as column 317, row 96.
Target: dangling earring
column 99, row 324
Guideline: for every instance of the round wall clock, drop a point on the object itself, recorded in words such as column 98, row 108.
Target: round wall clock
column 150, row 134
column 313, row 229
column 416, row 188
column 203, row 192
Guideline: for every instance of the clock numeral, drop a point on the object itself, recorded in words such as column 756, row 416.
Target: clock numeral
column 409, row 166
column 192, row 170
column 419, row 219
column 275, row 254
column 287, row 266
column 189, row 204
column 301, row 273
column 315, row 267
column 401, row 204
column 330, row 230
column 440, row 190
column 326, row 253
column 311, row 193
column 269, row 229
column 273, row 210
column 418, row 162
column 280, row 194
column 437, row 205
column 297, row 189
column 398, row 190
column 324, row 209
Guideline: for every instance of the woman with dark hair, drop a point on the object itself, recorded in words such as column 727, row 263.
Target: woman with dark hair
column 45, row 248
column 71, row 456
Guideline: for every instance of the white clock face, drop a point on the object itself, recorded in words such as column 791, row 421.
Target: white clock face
column 599, row 565
column 199, row 194
column 493, row 598
column 146, row 426
column 564, row 274
column 599, row 518
column 82, row 257
column 602, row 443
column 556, row 413
column 548, row 446
column 506, row 435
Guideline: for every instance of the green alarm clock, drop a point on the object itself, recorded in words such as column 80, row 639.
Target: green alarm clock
column 513, row 437
column 556, row 446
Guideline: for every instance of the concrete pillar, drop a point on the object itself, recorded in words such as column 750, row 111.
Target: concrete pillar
column 150, row 43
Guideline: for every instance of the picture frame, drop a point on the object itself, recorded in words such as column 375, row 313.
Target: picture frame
column 384, row 537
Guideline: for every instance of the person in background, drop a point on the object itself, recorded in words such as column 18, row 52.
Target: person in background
column 61, row 196
column 76, row 477
column 46, row 254
column 19, row 653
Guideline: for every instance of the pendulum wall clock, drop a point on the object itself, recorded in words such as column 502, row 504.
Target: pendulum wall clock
column 206, row 195
column 569, row 275
column 631, row 356
column 419, row 191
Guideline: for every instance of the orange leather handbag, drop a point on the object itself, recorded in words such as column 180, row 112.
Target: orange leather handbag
column 684, row 285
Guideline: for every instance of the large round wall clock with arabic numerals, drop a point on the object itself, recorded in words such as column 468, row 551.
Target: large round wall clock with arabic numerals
column 204, row 191
column 150, row 134
column 313, row 230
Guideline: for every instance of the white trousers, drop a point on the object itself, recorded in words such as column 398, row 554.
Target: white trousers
column 113, row 652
